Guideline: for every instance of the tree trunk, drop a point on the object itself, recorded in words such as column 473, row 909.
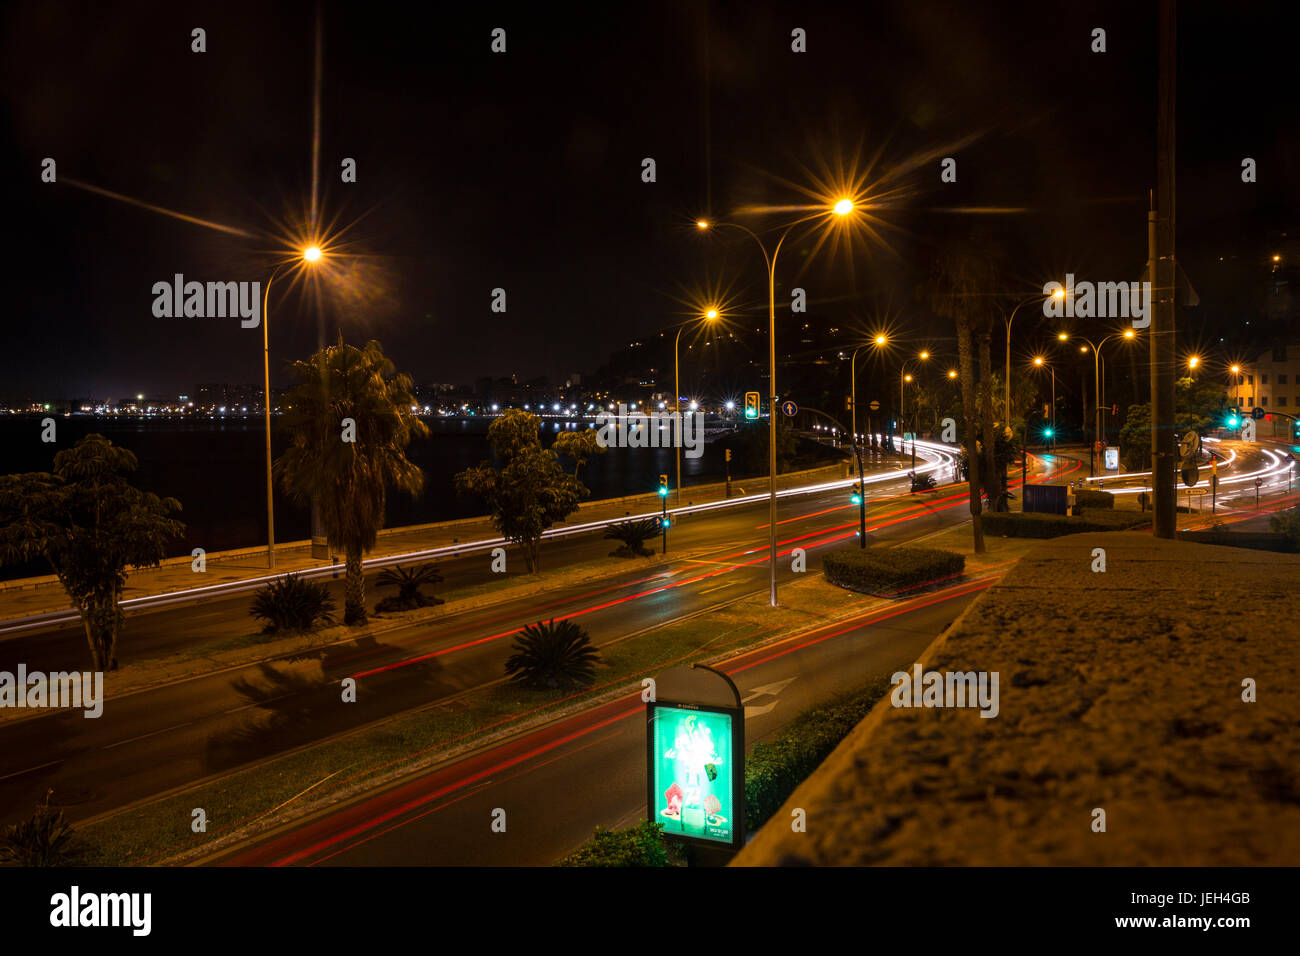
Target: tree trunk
column 994, row 481
column 96, row 661
column 354, row 589
column 968, row 412
column 532, row 554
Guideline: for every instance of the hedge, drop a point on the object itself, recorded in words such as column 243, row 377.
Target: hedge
column 1086, row 498
column 773, row 770
column 1033, row 525
column 641, row 845
column 888, row 571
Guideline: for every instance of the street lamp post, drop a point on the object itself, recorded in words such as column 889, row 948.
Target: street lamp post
column 710, row 315
column 842, row 208
column 853, row 384
column 311, row 254
column 1096, row 382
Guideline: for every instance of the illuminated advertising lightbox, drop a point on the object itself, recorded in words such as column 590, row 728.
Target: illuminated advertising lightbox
column 1112, row 459
column 696, row 767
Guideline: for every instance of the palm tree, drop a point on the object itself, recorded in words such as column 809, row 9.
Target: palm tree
column 350, row 417
column 553, row 656
column 633, row 534
column 408, row 581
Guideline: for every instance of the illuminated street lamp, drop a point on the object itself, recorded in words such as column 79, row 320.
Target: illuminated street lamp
column 1128, row 334
column 878, row 341
column 841, row 208
column 310, row 254
column 1051, row 432
column 710, row 315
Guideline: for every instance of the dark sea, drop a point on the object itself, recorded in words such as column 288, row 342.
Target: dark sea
column 217, row 469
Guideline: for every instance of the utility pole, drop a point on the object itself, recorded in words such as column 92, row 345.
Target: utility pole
column 1161, row 239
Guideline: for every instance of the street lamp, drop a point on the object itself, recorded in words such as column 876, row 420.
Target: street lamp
column 1058, row 294
column 1039, row 361
column 1096, row 375
column 842, row 207
column 709, row 315
column 905, row 377
column 878, row 341
column 310, row 254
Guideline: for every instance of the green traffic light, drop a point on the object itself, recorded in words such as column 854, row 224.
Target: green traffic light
column 665, row 522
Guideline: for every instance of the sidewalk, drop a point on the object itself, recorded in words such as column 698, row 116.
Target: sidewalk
column 1119, row 691
column 27, row 596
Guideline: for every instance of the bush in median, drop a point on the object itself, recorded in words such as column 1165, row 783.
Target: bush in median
column 888, row 571
column 1091, row 498
column 1033, row 525
column 641, row 845
column 773, row 770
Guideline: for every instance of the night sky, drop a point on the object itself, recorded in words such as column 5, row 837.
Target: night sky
column 523, row 170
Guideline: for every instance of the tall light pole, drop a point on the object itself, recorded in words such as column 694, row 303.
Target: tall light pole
column 878, row 341
column 710, row 315
column 1096, row 383
column 904, row 378
column 841, row 208
column 1041, row 363
column 1058, row 294
column 310, row 254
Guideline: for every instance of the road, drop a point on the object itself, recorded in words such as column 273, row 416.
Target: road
column 163, row 737
column 557, row 783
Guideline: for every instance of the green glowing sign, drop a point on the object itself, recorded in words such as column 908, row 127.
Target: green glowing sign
column 695, row 766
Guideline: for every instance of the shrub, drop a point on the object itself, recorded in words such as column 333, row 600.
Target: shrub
column 922, row 483
column 774, row 769
column 1091, row 498
column 888, row 571
column 633, row 534
column 1033, row 525
column 553, row 656
column 44, row 839
column 293, row 606
column 1287, row 523
column 408, row 581
column 641, row 845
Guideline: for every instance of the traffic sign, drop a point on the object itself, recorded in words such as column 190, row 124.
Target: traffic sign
column 1258, row 482
column 1257, row 413
column 874, row 406
column 790, row 409
column 1190, row 444
column 1191, row 474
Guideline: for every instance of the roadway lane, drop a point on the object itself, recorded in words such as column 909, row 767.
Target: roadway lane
column 168, row 736
column 559, row 782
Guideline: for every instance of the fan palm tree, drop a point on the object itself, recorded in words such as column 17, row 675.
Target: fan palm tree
column 634, row 535
column 350, row 419
column 557, row 655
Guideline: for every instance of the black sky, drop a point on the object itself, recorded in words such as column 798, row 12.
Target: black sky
column 522, row 171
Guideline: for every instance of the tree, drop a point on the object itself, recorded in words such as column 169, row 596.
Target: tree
column 530, row 492
column 350, row 421
column 557, row 655
column 89, row 524
column 751, row 448
column 1198, row 407
column 634, row 535
column 579, row 445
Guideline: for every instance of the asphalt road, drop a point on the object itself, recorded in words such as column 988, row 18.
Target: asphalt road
column 557, row 783
column 153, row 740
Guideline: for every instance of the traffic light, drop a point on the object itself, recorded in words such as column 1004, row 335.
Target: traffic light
column 856, row 496
column 1114, row 409
column 848, row 403
column 751, row 404
column 1233, row 421
column 1295, row 428
column 665, row 521
column 728, row 454
column 663, row 486
column 1047, row 433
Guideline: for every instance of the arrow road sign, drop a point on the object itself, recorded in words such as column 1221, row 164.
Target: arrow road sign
column 790, row 409
column 1257, row 413
column 1190, row 444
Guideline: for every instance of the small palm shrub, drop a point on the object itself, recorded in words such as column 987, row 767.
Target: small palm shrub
column 634, row 535
column 44, row 839
column 293, row 606
column 557, row 655
column 408, row 581
column 923, row 482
